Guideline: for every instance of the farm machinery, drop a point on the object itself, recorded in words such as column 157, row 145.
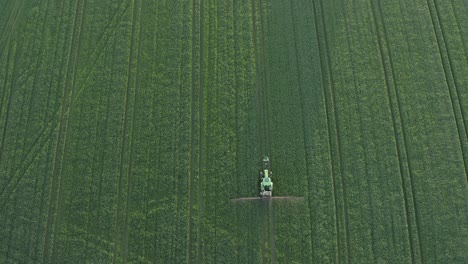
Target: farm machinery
column 266, row 186
column 266, row 183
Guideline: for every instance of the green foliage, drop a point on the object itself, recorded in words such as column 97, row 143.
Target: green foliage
column 127, row 126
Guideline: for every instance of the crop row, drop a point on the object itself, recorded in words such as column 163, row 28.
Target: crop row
column 367, row 120
column 130, row 128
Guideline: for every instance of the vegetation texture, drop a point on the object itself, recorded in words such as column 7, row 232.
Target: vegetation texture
column 126, row 128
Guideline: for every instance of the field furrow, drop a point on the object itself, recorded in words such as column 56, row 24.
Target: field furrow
column 125, row 164
column 394, row 107
column 193, row 122
column 201, row 128
column 136, row 84
column 61, row 145
column 7, row 23
column 325, row 82
column 9, row 27
column 6, row 105
column 330, row 87
column 450, row 77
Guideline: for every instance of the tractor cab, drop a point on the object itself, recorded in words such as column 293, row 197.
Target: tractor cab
column 267, row 183
column 266, row 187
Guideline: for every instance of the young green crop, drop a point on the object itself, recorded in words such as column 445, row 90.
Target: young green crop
column 127, row 126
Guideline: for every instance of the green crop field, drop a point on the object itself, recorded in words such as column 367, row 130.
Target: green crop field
column 127, row 128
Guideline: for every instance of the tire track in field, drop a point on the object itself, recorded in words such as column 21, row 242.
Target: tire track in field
column 13, row 158
column 28, row 161
column 13, row 77
column 266, row 86
column 37, row 192
column 181, row 101
column 260, row 122
column 302, row 99
column 17, row 14
column 272, row 231
column 103, row 153
column 323, row 68
column 9, row 100
column 94, row 167
column 179, row 207
column 35, row 214
column 262, row 233
column 464, row 43
column 74, row 71
column 237, row 49
column 38, row 196
column 10, row 15
column 10, row 234
column 136, row 84
column 39, row 228
column 340, row 155
column 97, row 52
column 4, row 91
column 179, row 130
column 4, row 46
column 54, row 197
column 200, row 133
column 330, row 106
column 398, row 125
column 101, row 44
column 312, row 10
column 38, row 213
column 32, row 67
column 52, row 125
column 73, row 92
column 13, row 54
column 405, row 137
column 11, row 21
column 123, row 148
column 36, row 67
column 53, row 121
column 257, row 83
column 192, row 134
column 56, row 59
column 38, row 58
column 362, row 139
column 266, row 127
column 466, row 58
column 19, row 173
column 450, row 79
column 98, row 159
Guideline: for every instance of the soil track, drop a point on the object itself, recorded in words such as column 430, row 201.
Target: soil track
column 119, row 240
column 264, row 125
column 200, row 135
column 6, row 34
column 55, row 196
column 393, row 94
column 272, row 230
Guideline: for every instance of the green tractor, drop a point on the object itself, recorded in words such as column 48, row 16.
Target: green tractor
column 266, row 184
